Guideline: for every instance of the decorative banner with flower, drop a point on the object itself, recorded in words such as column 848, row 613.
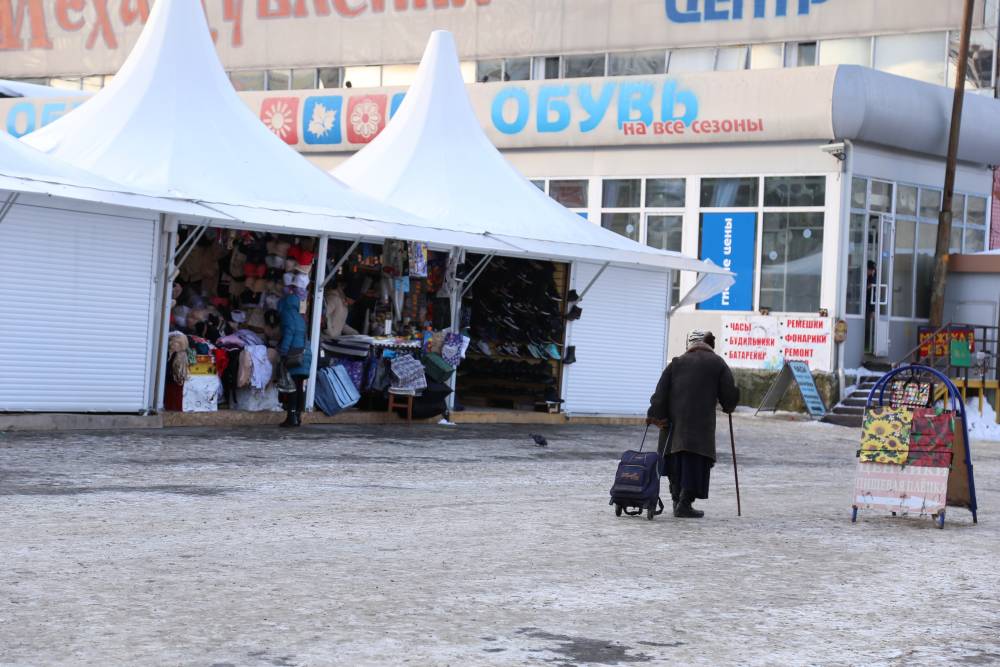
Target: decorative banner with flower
column 366, row 117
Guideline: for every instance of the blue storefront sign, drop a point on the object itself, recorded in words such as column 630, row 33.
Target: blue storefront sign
column 697, row 11
column 730, row 241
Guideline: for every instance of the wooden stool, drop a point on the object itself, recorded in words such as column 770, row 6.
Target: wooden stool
column 395, row 401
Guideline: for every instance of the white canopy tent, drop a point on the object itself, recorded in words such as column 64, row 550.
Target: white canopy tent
column 434, row 160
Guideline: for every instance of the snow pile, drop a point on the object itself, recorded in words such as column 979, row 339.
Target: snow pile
column 982, row 426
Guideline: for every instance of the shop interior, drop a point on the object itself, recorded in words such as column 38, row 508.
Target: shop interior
column 387, row 325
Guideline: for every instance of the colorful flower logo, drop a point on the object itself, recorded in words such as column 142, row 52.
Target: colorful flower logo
column 366, row 116
column 321, row 119
column 280, row 115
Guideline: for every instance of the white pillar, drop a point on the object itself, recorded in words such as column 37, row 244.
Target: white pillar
column 166, row 295
column 317, row 319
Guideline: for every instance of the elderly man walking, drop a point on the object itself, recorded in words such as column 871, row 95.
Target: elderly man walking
column 684, row 409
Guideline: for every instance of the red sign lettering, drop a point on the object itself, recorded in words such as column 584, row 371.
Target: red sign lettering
column 12, row 24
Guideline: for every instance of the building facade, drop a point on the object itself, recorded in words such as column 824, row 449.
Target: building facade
column 761, row 134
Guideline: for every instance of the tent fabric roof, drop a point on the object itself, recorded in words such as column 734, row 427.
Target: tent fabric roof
column 434, row 160
column 171, row 123
column 23, row 169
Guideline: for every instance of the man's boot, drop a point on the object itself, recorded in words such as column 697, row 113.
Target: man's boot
column 683, row 510
column 291, row 419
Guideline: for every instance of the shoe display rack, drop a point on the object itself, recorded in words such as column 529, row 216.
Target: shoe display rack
column 518, row 326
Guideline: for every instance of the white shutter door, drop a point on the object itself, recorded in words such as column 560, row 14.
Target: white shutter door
column 620, row 341
column 75, row 307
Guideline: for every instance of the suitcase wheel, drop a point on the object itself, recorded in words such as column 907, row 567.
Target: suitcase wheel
column 618, row 509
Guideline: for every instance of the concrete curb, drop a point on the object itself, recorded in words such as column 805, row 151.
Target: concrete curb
column 237, row 419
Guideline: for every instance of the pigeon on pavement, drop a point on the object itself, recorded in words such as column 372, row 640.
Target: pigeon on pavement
column 539, row 440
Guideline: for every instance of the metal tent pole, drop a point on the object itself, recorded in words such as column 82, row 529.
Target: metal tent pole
column 8, row 204
column 317, row 317
column 166, row 292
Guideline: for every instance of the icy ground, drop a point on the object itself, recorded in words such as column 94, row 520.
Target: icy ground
column 472, row 546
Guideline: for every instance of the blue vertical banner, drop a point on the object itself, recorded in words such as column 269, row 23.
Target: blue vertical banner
column 730, row 241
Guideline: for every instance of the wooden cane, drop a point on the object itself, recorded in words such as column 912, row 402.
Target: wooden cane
column 732, row 441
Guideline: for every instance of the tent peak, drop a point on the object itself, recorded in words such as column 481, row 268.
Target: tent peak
column 171, row 123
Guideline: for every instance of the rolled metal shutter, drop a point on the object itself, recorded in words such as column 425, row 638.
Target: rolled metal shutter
column 76, row 305
column 620, row 341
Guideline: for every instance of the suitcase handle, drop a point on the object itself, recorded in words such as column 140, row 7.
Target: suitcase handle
column 644, row 434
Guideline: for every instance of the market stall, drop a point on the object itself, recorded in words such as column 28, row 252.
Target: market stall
column 433, row 160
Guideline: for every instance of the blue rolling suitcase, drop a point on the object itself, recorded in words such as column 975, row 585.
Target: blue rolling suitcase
column 637, row 483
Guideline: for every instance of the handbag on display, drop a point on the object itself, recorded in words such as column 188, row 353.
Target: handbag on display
column 407, row 373
column 885, row 435
column 910, row 393
column 437, row 368
column 451, row 351
column 418, row 259
column 931, row 438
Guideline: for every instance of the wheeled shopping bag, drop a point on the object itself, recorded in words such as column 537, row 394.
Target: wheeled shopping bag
column 637, row 483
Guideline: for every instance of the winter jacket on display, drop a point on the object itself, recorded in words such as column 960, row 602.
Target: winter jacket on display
column 686, row 397
column 293, row 334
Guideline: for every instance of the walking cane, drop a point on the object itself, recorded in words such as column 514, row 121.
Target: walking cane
column 732, row 441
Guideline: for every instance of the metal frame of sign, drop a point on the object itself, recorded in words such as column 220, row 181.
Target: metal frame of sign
column 799, row 373
column 962, row 460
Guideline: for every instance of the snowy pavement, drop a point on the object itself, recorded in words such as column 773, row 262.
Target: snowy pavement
column 472, row 546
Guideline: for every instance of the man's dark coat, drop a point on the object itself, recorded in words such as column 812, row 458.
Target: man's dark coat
column 686, row 396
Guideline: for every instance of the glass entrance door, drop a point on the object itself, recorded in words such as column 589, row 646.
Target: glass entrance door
column 881, row 236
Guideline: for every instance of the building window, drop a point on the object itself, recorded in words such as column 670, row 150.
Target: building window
column 767, row 56
column 489, row 71
column 363, row 77
column 881, row 197
column 856, row 270
column 906, row 200
column 626, row 224
column 665, row 193
column 398, row 75
column 930, row 203
column 570, row 193
column 578, row 67
column 791, row 261
column 731, row 58
column 800, row 54
column 304, row 79
column 545, row 67
column 787, row 191
column 622, row 193
column 917, row 56
column 330, row 77
column 691, row 60
column 634, row 64
column 926, row 248
column 903, row 267
column 517, row 69
column 665, row 232
column 248, row 80
column 729, row 192
column 850, row 51
column 278, row 79
column 981, row 60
